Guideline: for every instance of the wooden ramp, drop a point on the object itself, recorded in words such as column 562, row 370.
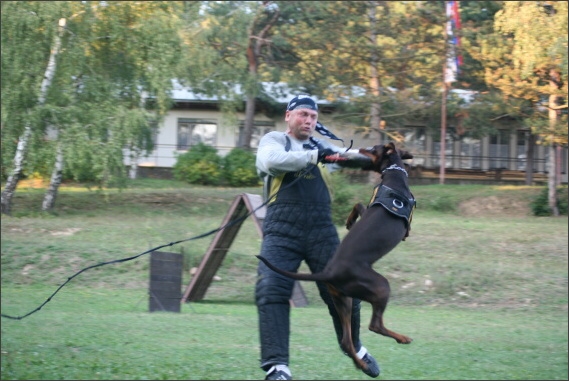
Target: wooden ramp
column 242, row 205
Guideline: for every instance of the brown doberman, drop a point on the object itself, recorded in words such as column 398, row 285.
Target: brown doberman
column 383, row 224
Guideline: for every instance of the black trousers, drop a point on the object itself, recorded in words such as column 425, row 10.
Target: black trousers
column 293, row 232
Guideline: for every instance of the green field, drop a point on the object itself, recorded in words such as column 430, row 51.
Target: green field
column 481, row 290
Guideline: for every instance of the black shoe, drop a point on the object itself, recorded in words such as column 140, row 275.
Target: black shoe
column 372, row 366
column 278, row 375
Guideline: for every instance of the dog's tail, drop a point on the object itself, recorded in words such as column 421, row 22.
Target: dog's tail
column 298, row 276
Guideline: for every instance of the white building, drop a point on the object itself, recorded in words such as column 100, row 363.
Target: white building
column 197, row 118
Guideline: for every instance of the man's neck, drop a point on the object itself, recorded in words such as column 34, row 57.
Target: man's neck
column 302, row 140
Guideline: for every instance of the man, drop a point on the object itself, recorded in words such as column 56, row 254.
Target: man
column 298, row 226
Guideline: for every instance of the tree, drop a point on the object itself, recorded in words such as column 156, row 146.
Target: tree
column 135, row 51
column 376, row 59
column 108, row 87
column 536, row 71
column 28, row 67
column 239, row 48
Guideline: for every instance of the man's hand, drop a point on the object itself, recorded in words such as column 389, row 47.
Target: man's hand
column 323, row 153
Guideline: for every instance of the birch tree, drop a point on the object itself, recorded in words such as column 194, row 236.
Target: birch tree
column 135, row 50
column 24, row 33
column 105, row 92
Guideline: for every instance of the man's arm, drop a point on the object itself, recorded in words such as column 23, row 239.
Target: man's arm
column 272, row 158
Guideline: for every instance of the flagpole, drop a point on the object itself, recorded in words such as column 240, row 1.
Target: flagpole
column 451, row 63
column 443, row 131
column 442, row 158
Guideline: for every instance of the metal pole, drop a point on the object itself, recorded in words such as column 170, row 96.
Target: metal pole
column 442, row 160
column 443, row 134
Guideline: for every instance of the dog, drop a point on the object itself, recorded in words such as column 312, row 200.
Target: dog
column 383, row 224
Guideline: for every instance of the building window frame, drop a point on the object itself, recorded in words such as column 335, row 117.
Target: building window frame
column 499, row 149
column 194, row 131
column 260, row 128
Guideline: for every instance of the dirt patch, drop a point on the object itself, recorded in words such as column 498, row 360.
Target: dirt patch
column 494, row 206
column 68, row 231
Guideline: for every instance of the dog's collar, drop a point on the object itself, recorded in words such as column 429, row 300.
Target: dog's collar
column 395, row 166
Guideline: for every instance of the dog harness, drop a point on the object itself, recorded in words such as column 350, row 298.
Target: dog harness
column 395, row 202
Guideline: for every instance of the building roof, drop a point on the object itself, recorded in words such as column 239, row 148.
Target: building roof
column 279, row 92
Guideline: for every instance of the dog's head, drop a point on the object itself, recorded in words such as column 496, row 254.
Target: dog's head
column 383, row 156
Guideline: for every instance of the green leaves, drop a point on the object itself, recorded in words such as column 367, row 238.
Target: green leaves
column 113, row 55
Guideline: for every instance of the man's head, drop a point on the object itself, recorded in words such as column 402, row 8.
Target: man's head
column 301, row 116
column 302, row 101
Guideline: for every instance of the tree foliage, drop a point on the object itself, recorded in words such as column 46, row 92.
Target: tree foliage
column 111, row 83
column 530, row 63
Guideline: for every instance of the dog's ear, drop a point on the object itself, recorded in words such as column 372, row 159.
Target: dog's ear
column 389, row 148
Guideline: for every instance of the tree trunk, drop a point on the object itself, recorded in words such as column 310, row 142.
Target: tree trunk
column 551, row 182
column 57, row 172
column 133, row 170
column 253, row 53
column 56, row 177
column 374, row 81
column 16, row 174
column 14, row 177
column 249, row 122
column 374, row 84
column 530, row 150
column 554, row 84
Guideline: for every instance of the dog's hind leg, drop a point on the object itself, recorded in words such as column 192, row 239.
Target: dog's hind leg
column 343, row 306
column 378, row 298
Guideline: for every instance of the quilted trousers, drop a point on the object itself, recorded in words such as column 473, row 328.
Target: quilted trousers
column 293, row 232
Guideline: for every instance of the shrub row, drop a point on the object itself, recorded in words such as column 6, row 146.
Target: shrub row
column 204, row 166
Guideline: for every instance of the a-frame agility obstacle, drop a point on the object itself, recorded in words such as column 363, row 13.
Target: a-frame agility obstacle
column 242, row 205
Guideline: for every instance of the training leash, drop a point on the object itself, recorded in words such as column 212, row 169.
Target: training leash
column 230, row 223
column 203, row 235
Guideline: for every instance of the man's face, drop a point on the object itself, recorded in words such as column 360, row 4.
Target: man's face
column 301, row 122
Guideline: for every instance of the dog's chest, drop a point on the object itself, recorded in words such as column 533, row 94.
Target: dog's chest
column 393, row 201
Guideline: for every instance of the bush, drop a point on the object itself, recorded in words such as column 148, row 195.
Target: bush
column 200, row 165
column 540, row 205
column 239, row 168
column 343, row 198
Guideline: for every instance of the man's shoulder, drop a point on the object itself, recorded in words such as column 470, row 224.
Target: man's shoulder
column 274, row 136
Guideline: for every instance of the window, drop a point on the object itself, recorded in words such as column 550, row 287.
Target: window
column 470, row 153
column 259, row 129
column 499, row 149
column 193, row 131
column 521, row 150
column 448, row 151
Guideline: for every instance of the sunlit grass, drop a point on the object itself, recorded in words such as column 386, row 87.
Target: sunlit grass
column 483, row 297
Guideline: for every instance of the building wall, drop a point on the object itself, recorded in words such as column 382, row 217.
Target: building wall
column 425, row 151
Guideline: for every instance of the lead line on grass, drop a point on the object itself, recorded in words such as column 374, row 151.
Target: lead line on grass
column 232, row 222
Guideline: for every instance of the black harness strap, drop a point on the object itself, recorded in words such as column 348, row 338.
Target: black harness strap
column 395, row 202
column 230, row 223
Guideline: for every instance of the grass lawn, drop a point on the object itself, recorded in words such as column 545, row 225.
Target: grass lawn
column 110, row 335
column 482, row 291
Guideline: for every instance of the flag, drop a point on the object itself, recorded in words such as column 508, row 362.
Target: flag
column 452, row 29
